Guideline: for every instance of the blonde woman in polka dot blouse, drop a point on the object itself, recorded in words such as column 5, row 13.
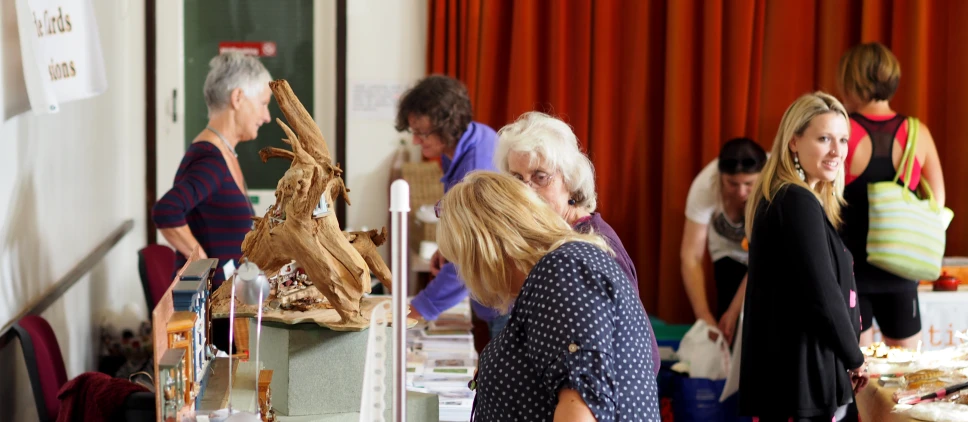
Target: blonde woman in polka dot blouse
column 577, row 346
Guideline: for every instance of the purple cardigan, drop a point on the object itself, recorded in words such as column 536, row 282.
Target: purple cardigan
column 601, row 228
column 475, row 151
column 598, row 226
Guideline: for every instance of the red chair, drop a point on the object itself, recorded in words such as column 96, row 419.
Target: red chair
column 156, row 263
column 45, row 364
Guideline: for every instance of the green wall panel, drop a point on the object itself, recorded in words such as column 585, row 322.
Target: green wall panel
column 289, row 23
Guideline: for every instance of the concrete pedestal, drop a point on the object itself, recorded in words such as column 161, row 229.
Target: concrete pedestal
column 318, row 373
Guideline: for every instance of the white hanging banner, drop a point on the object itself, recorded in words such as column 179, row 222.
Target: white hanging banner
column 61, row 52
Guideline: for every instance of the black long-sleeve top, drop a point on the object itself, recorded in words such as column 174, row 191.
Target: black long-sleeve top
column 801, row 322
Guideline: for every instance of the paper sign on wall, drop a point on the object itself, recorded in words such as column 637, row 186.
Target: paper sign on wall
column 375, row 99
column 61, row 52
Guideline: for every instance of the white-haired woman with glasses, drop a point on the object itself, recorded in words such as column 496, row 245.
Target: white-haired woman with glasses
column 801, row 358
column 542, row 151
column 577, row 344
column 208, row 206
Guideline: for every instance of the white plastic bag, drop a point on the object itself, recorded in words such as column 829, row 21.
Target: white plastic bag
column 732, row 381
column 707, row 358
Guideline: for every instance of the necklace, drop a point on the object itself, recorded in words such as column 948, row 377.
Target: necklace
column 244, row 186
column 222, row 138
column 726, row 228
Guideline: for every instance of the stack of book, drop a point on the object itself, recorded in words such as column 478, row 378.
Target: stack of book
column 441, row 360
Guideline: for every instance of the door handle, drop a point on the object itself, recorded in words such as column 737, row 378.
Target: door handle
column 174, row 106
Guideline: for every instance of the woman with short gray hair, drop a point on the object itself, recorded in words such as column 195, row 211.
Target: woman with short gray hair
column 208, row 206
column 543, row 152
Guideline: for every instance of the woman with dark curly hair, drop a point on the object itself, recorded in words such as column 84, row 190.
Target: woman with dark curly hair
column 437, row 112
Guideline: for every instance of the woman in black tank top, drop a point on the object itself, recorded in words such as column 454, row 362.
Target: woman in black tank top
column 868, row 77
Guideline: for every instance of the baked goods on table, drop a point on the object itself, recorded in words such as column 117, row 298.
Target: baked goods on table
column 923, row 375
column 877, row 350
column 882, row 353
column 924, row 381
column 930, row 385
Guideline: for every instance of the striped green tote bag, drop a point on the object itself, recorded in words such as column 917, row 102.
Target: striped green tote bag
column 907, row 232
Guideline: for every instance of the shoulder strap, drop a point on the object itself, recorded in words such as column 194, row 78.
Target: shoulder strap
column 906, row 165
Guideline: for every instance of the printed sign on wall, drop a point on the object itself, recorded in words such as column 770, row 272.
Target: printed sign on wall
column 375, row 100
column 61, row 52
column 252, row 48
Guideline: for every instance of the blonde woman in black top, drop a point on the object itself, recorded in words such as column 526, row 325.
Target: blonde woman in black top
column 800, row 317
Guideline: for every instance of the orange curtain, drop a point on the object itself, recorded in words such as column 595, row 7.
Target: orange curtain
column 653, row 88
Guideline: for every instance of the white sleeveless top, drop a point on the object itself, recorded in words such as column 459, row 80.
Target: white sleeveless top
column 704, row 205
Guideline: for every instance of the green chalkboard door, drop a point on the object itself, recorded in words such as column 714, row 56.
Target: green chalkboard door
column 285, row 28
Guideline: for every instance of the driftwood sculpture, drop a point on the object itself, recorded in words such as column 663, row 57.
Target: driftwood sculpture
column 302, row 225
column 366, row 243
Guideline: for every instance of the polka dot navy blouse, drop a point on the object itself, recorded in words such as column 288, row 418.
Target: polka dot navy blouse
column 576, row 324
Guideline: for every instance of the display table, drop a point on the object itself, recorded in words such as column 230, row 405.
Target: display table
column 942, row 313
column 441, row 360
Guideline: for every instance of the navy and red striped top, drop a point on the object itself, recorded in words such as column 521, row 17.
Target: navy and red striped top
column 207, row 199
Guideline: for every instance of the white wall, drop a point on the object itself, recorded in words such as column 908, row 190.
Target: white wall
column 386, row 44
column 66, row 181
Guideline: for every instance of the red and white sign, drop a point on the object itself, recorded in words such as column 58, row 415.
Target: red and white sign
column 253, row 48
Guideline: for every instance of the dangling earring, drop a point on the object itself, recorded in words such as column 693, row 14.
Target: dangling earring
column 796, row 165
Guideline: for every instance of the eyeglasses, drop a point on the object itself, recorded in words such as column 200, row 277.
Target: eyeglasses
column 538, row 178
column 437, row 209
column 419, row 134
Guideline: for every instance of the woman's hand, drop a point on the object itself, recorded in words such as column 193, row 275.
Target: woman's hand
column 727, row 324
column 436, row 263
column 182, row 239
column 415, row 314
column 708, row 317
column 859, row 377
